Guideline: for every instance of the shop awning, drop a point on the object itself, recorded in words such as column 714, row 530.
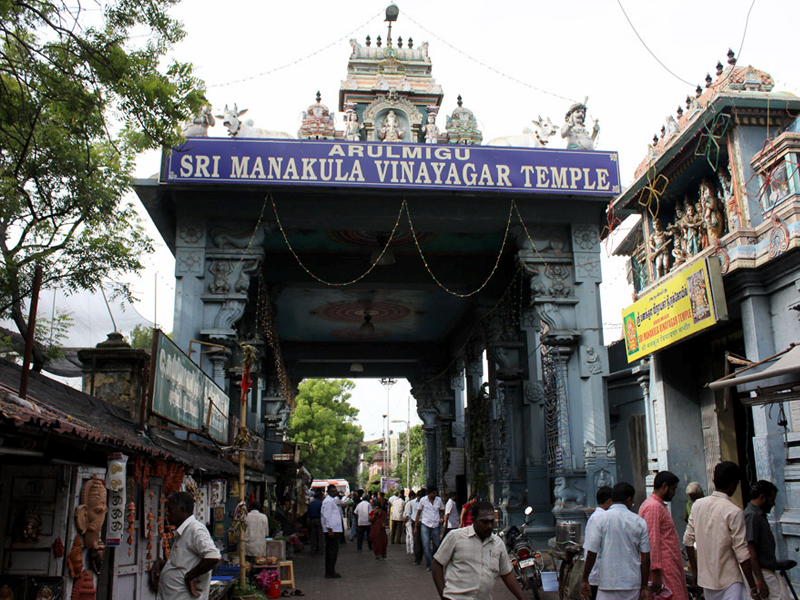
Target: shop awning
column 52, row 407
column 776, row 380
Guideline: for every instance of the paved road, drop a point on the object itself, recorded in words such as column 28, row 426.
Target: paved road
column 396, row 578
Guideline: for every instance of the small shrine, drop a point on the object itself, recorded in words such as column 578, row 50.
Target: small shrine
column 317, row 122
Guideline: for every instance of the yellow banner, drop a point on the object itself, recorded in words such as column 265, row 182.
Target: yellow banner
column 691, row 300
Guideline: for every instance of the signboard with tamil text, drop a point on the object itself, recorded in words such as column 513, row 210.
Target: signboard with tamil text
column 184, row 394
column 690, row 301
column 388, row 165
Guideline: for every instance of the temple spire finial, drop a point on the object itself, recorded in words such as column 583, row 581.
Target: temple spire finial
column 391, row 16
column 319, row 97
column 459, row 101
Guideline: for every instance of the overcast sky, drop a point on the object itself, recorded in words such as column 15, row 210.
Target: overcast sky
column 511, row 61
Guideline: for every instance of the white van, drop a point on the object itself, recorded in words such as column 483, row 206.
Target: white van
column 322, row 484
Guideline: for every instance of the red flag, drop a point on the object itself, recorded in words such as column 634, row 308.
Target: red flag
column 246, row 382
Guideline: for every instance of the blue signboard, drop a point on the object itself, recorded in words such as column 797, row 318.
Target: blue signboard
column 387, row 165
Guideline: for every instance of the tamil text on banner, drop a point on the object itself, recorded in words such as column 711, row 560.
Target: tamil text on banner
column 184, row 394
column 691, row 300
column 406, row 166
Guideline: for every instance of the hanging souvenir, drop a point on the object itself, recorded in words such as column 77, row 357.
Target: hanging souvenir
column 75, row 558
column 91, row 513
column 83, row 589
column 130, row 518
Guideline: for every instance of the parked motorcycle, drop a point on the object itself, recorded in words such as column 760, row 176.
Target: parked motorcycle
column 526, row 562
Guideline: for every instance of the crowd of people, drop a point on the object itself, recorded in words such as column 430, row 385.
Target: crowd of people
column 632, row 556
column 420, row 520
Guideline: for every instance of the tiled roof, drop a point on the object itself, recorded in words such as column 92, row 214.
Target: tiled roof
column 57, row 408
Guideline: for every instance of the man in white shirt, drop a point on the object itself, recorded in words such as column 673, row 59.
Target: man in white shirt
column 619, row 540
column 362, row 511
column 603, row 504
column 430, row 516
column 186, row 575
column 471, row 558
column 332, row 526
column 409, row 513
column 396, row 516
column 255, row 537
column 451, row 514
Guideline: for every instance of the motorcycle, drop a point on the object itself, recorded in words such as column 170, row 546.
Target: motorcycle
column 527, row 563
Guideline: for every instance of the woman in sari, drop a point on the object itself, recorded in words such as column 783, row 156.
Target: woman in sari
column 377, row 532
column 466, row 511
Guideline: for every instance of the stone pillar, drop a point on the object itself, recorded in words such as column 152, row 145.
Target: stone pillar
column 115, row 372
column 473, row 421
column 459, row 393
column 564, row 269
column 428, row 416
column 190, row 272
column 768, row 438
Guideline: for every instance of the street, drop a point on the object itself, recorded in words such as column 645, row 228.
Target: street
column 393, row 579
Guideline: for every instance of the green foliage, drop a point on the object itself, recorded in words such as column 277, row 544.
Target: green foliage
column 324, row 419
column 142, row 337
column 49, row 335
column 417, row 458
column 68, row 79
column 371, row 451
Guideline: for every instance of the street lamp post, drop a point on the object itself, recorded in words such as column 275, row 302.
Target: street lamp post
column 408, row 450
column 388, row 382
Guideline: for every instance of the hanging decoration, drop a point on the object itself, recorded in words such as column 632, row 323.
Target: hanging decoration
column 117, row 466
column 91, row 513
column 653, row 191
column 75, row 558
column 131, row 530
column 713, row 133
column 267, row 322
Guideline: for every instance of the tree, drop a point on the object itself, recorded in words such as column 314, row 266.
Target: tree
column 141, row 337
column 65, row 85
column 417, row 458
column 323, row 424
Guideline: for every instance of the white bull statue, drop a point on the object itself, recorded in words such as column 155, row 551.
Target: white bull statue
column 244, row 129
column 529, row 139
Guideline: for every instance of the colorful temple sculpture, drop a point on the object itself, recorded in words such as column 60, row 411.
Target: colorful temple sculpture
column 714, row 261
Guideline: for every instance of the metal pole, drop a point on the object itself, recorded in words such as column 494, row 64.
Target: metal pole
column 29, row 340
column 408, row 445
column 388, row 382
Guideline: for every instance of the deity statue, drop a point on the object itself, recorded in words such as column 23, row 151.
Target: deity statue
column 352, row 128
column 678, row 242
column 712, row 211
column 691, row 227
column 91, row 513
column 574, row 129
column 728, row 199
column 431, row 130
column 659, row 242
column 391, row 131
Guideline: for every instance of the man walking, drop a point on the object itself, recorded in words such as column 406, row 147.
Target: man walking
column 666, row 559
column 471, row 558
column 761, row 542
column 716, row 525
column 409, row 514
column 430, row 516
column 256, row 534
column 186, row 575
column 314, row 513
column 451, row 514
column 619, row 541
column 332, row 526
column 397, row 510
column 603, row 498
column 362, row 519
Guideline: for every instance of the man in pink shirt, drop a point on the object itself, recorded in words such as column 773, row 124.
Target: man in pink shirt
column 666, row 561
